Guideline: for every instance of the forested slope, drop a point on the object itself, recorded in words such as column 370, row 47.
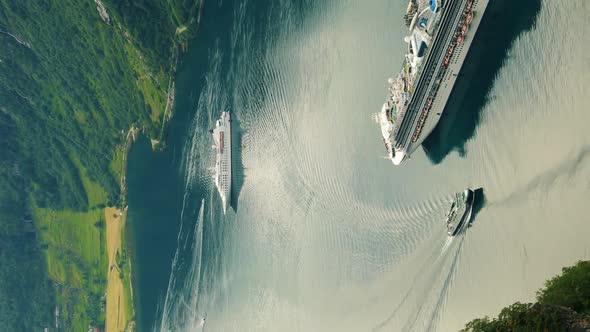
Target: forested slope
column 562, row 305
column 71, row 87
column 26, row 296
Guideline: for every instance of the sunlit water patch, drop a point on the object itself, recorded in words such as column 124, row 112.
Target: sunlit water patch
column 327, row 236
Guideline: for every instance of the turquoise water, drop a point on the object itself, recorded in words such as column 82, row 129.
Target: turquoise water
column 326, row 235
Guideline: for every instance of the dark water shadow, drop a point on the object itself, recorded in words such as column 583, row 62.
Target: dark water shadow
column 503, row 22
column 238, row 174
column 479, row 201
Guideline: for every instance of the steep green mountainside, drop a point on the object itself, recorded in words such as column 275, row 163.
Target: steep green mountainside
column 151, row 23
column 26, row 296
column 72, row 84
column 563, row 305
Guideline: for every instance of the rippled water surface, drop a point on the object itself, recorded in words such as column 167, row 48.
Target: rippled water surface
column 327, row 236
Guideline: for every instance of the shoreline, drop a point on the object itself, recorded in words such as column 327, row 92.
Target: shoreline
column 120, row 309
column 120, row 306
column 116, row 226
column 119, row 298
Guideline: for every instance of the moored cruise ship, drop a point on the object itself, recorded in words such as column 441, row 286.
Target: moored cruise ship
column 440, row 35
column 222, row 146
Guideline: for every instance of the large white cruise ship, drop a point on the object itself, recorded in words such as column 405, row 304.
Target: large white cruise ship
column 440, row 35
column 222, row 145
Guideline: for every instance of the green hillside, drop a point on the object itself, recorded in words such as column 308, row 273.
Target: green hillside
column 72, row 84
column 562, row 305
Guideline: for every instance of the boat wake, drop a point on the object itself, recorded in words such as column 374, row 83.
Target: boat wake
column 183, row 305
column 179, row 308
column 424, row 300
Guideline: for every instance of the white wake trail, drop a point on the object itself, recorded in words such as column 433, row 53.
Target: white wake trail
column 180, row 308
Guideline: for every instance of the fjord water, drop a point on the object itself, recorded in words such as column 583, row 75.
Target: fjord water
column 326, row 235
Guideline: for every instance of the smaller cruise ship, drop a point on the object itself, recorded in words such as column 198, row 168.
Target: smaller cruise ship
column 459, row 215
column 223, row 164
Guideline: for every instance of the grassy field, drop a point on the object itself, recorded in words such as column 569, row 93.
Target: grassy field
column 80, row 248
column 119, row 301
column 74, row 245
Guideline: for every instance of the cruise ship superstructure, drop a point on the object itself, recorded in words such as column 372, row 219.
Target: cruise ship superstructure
column 440, row 34
column 223, row 164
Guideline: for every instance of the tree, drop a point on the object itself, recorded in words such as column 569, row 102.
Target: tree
column 561, row 307
column 570, row 289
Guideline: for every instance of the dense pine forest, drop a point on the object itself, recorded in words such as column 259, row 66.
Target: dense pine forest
column 73, row 81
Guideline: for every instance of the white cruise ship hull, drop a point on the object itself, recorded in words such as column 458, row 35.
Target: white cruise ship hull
column 441, row 36
column 223, row 161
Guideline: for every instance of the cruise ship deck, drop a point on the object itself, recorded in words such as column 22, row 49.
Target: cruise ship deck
column 440, row 38
column 450, row 76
